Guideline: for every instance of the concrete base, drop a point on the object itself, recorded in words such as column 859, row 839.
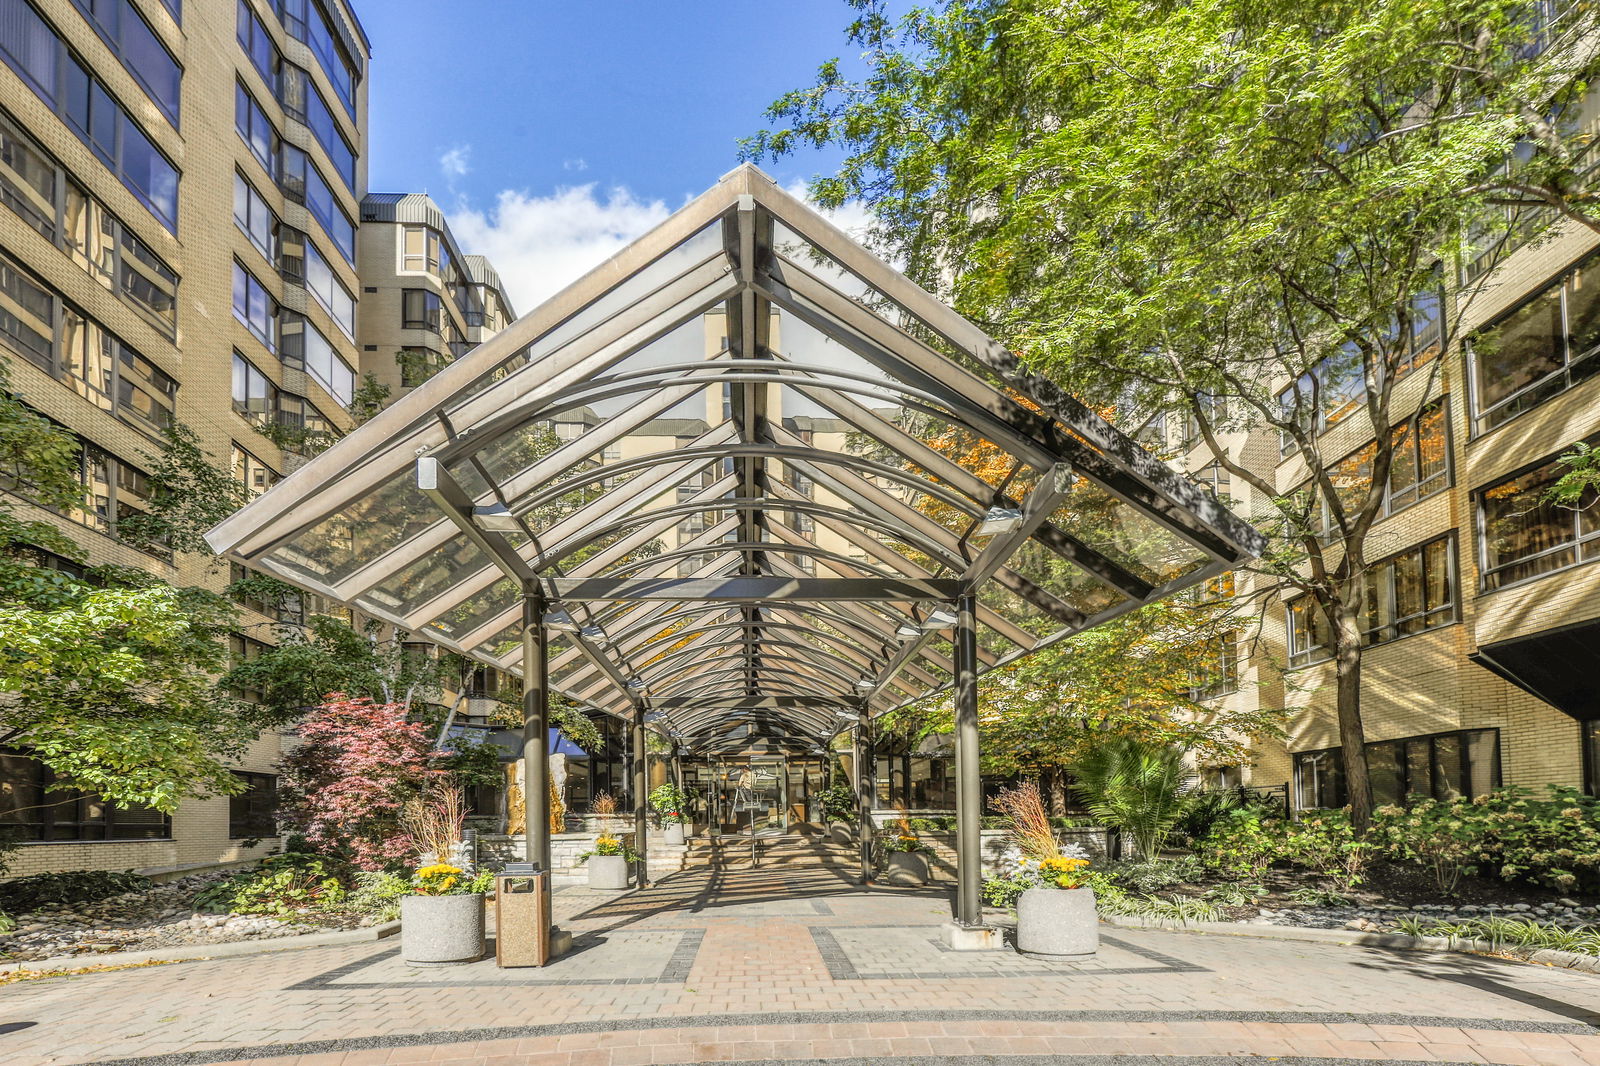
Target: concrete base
column 958, row 937
column 560, row 941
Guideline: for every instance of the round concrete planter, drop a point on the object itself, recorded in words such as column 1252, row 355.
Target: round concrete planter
column 905, row 868
column 842, row 832
column 1057, row 921
column 672, row 833
column 607, row 871
column 441, row 928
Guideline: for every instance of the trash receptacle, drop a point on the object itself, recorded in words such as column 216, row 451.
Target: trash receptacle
column 522, row 919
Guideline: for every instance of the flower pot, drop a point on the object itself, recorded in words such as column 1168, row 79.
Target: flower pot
column 1057, row 921
column 672, row 832
column 441, row 928
column 842, row 832
column 905, row 868
column 607, row 871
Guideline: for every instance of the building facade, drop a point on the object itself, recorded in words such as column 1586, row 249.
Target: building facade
column 1485, row 616
column 181, row 241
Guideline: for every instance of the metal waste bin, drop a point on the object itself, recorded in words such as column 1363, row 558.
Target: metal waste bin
column 522, row 919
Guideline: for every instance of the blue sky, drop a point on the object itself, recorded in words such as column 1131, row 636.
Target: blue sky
column 552, row 134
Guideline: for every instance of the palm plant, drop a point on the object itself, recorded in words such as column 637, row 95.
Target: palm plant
column 1134, row 786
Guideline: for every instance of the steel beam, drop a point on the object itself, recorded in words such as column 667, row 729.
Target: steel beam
column 641, row 787
column 535, row 730
column 752, row 589
column 969, row 786
column 866, row 771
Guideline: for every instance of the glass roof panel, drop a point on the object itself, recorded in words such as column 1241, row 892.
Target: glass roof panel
column 438, row 571
column 369, row 526
column 1113, row 528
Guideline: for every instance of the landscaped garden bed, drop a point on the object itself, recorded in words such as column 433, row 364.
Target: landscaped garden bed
column 94, row 912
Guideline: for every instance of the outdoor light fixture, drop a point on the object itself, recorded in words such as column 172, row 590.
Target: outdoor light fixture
column 998, row 520
column 939, row 618
column 866, row 684
column 848, row 716
column 560, row 621
column 496, row 518
column 636, row 683
column 907, row 630
column 594, row 633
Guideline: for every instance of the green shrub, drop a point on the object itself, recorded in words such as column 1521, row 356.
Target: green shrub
column 1551, row 840
column 73, row 886
column 1109, row 899
column 839, row 802
column 1326, row 842
column 1153, row 875
column 1244, row 844
column 1508, row 932
column 279, row 885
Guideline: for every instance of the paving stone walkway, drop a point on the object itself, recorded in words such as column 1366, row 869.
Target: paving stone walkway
column 798, row 965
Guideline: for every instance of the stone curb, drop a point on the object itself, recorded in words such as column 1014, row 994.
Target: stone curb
column 209, row 951
column 1564, row 959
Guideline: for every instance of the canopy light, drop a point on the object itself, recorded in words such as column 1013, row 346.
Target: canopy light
column 907, row 630
column 636, row 683
column 998, row 520
column 940, row 618
column 654, row 716
column 848, row 716
column 594, row 633
column 866, row 685
column 496, row 518
column 560, row 621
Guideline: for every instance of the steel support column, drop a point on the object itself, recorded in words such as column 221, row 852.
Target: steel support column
column 535, row 728
column 866, row 771
column 641, row 786
column 969, row 789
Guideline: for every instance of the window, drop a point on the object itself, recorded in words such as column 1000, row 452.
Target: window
column 254, row 812
column 418, row 365
column 243, row 649
column 307, row 21
column 305, row 347
column 300, row 414
column 1214, row 409
column 303, row 183
column 256, row 477
column 254, row 395
column 1591, row 756
column 424, row 250
column 256, row 129
column 258, row 45
column 1419, row 468
column 255, row 307
column 128, row 35
column 1220, row 675
column 1522, row 534
column 36, row 809
column 1324, row 396
column 33, row 49
column 1408, row 593
column 329, row 290
column 419, row 309
column 1539, row 350
column 112, row 491
column 1215, row 478
column 252, row 215
column 1442, row 766
column 327, row 132
column 87, row 357
column 287, row 606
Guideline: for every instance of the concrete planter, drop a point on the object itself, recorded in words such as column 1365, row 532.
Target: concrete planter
column 672, row 833
column 607, row 871
column 905, row 868
column 842, row 832
column 436, row 929
column 1057, row 921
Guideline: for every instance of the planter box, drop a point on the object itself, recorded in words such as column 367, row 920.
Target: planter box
column 842, row 832
column 436, row 929
column 1057, row 921
column 672, row 833
column 607, row 871
column 905, row 868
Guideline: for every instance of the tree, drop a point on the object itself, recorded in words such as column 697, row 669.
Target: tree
column 1135, row 784
column 1242, row 212
column 107, row 674
column 345, row 783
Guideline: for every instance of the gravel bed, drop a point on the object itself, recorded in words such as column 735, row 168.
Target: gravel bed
column 157, row 917
column 1385, row 918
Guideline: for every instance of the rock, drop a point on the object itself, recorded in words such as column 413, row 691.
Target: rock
column 1521, row 907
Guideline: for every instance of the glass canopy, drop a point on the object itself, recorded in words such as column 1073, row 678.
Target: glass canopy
column 745, row 469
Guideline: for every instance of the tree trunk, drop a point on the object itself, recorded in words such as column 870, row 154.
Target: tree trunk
column 1054, row 787
column 1352, row 738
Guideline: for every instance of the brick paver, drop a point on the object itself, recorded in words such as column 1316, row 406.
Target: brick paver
column 795, row 964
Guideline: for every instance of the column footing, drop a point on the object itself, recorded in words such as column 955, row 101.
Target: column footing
column 958, row 937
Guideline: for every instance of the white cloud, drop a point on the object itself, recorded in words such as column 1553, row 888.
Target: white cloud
column 541, row 244
column 575, row 164
column 453, row 163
